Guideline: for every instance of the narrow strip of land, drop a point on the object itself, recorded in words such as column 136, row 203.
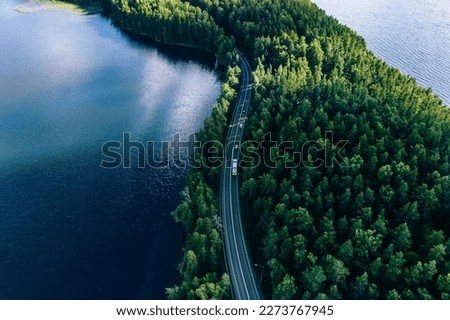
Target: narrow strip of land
column 40, row 5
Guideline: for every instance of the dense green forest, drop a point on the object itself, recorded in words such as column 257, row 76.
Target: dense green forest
column 374, row 227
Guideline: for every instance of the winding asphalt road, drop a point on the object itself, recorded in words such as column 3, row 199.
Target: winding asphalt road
column 245, row 285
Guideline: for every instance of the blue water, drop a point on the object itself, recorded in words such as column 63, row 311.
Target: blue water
column 68, row 228
column 413, row 36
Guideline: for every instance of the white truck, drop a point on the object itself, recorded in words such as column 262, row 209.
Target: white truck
column 234, row 168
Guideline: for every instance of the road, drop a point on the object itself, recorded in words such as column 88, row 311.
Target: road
column 244, row 283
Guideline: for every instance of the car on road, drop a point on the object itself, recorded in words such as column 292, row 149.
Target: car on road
column 234, row 168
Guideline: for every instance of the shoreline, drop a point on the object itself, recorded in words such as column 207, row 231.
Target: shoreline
column 38, row 5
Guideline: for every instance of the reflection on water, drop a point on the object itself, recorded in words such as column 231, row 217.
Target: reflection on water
column 69, row 229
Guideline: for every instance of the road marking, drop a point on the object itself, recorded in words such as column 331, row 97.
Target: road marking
column 235, row 135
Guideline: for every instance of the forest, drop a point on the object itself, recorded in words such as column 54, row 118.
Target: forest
column 375, row 227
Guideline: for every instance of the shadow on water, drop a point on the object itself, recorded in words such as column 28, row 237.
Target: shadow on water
column 173, row 52
column 68, row 228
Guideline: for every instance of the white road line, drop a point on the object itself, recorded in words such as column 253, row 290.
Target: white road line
column 235, row 135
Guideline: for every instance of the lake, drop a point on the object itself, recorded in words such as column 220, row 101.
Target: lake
column 413, row 36
column 70, row 229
